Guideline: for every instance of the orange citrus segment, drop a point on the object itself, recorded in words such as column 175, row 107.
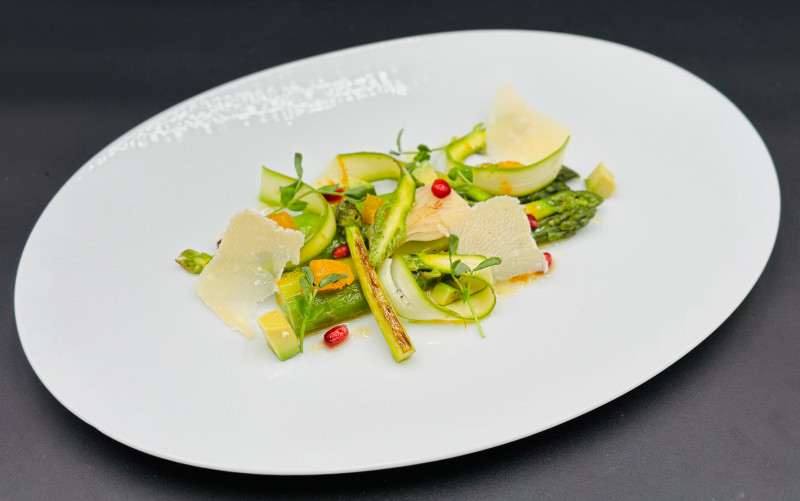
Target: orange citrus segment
column 284, row 220
column 324, row 267
column 371, row 206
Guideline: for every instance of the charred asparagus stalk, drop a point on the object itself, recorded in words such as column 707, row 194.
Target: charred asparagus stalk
column 388, row 321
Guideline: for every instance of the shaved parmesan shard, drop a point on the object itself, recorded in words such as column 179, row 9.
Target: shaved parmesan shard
column 516, row 132
column 497, row 227
column 249, row 261
column 424, row 221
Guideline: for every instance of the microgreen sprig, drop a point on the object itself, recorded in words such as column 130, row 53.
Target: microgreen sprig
column 421, row 154
column 459, row 269
column 305, row 302
column 463, row 173
column 290, row 199
column 357, row 194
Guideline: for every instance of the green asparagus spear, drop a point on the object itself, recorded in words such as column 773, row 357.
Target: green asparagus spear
column 562, row 202
column 560, row 226
column 558, row 184
column 392, row 329
column 549, row 190
column 562, row 214
column 565, row 174
column 389, row 229
column 347, row 214
column 334, row 306
column 193, row 261
column 471, row 192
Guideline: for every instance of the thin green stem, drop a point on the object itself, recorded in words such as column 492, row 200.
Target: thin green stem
column 469, row 303
column 306, row 314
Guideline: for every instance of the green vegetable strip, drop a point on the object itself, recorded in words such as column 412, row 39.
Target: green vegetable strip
column 338, row 305
column 471, row 192
column 309, row 223
column 562, row 202
column 388, row 321
column 389, row 229
column 492, row 178
column 463, row 147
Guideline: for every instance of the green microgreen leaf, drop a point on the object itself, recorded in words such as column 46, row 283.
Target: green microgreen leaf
column 298, row 165
column 423, row 153
column 329, row 279
column 358, row 194
column 453, row 247
column 287, row 194
column 305, row 286
column 460, row 268
column 308, row 278
column 492, row 261
column 330, row 188
column 466, row 173
column 297, row 205
column 302, row 304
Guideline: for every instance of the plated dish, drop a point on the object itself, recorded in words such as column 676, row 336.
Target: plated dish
column 461, row 220
column 117, row 334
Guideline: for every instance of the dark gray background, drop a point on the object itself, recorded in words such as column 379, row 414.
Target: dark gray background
column 722, row 423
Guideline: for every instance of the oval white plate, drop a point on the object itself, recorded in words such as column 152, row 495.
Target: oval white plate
column 113, row 328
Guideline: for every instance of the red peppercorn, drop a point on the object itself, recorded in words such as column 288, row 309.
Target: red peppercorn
column 440, row 188
column 334, row 199
column 341, row 251
column 336, row 335
column 532, row 222
column 219, row 242
column 549, row 259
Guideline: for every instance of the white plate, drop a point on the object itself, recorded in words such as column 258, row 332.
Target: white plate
column 113, row 328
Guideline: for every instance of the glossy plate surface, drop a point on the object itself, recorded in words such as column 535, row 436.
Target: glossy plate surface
column 114, row 329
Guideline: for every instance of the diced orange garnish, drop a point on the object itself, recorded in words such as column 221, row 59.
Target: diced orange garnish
column 284, row 219
column 509, row 164
column 371, row 206
column 324, row 267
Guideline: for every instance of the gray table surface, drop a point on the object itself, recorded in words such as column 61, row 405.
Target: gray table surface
column 721, row 423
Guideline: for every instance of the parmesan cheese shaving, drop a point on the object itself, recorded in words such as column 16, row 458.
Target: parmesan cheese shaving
column 243, row 273
column 424, row 222
column 516, row 132
column 497, row 227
